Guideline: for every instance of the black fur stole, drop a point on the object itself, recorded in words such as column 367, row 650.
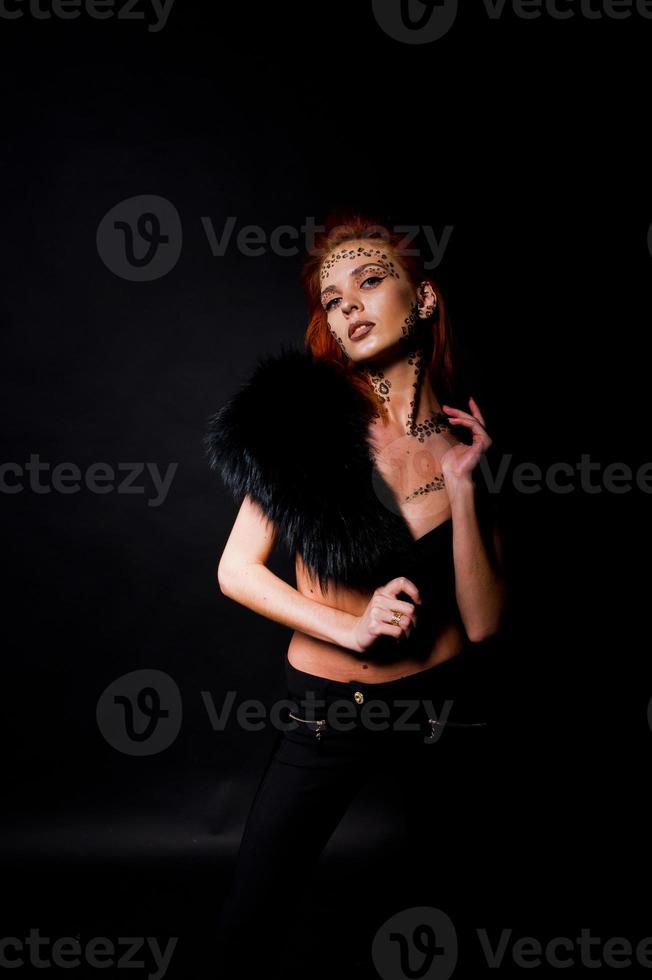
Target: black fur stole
column 293, row 437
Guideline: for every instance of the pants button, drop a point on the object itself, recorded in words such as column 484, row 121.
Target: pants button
column 359, row 697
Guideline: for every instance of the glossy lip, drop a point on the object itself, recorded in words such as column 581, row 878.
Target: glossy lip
column 357, row 323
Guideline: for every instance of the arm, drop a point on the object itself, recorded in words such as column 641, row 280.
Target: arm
column 243, row 576
column 255, row 586
column 479, row 582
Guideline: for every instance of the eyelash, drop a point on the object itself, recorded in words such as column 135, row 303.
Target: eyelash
column 327, row 307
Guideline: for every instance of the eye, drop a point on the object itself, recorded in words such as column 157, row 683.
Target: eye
column 378, row 279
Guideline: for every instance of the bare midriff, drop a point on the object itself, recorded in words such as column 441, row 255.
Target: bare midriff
column 335, row 662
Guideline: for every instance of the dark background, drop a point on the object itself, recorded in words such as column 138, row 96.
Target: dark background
column 526, row 136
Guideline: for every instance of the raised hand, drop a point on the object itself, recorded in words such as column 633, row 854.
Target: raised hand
column 459, row 461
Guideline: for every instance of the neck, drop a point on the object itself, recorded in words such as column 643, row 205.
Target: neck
column 405, row 396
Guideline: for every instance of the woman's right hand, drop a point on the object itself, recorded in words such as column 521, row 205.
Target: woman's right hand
column 375, row 620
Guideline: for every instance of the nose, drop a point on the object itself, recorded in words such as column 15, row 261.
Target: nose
column 349, row 304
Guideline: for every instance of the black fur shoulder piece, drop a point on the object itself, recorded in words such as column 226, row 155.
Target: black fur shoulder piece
column 293, row 438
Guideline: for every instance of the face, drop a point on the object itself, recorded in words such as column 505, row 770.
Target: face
column 363, row 280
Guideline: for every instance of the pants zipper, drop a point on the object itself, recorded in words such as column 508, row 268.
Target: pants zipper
column 311, row 721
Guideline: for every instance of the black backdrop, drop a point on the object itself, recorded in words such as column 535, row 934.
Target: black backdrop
column 523, row 136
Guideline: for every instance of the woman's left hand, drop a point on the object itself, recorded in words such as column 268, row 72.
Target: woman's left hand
column 459, row 461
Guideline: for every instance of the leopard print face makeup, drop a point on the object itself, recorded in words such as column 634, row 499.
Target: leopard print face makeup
column 339, row 342
column 378, row 268
column 374, row 270
column 333, row 258
column 411, row 323
column 366, row 277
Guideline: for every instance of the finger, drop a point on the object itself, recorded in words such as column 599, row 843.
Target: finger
column 405, row 625
column 476, row 409
column 402, row 584
column 467, row 415
column 455, row 413
column 473, row 423
column 390, row 603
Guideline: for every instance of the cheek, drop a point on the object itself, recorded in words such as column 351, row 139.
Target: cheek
column 396, row 301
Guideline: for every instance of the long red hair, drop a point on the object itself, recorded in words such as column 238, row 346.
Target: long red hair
column 345, row 224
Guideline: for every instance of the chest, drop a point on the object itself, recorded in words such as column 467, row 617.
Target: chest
column 412, row 468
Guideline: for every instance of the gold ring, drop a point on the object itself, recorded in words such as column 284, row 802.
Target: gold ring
column 396, row 618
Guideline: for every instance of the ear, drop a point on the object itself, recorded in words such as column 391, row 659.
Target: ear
column 426, row 295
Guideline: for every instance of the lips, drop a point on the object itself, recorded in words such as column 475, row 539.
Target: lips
column 359, row 323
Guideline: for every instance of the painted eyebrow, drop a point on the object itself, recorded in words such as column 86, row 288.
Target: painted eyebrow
column 353, row 272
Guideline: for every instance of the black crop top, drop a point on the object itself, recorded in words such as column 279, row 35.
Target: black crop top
column 429, row 564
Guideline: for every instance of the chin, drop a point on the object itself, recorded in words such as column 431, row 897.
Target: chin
column 377, row 350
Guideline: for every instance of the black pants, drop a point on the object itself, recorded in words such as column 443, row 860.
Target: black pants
column 425, row 737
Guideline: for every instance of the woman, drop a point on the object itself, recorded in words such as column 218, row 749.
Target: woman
column 346, row 453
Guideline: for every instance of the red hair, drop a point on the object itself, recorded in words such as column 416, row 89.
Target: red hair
column 346, row 224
